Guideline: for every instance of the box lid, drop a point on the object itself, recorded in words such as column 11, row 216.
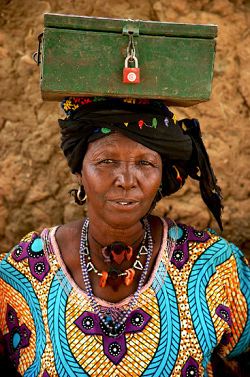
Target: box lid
column 64, row 21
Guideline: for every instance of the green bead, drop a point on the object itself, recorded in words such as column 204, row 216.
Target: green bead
column 105, row 130
column 154, row 122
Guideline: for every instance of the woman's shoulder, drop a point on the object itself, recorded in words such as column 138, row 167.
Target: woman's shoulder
column 34, row 242
column 202, row 247
column 189, row 234
column 189, row 241
column 27, row 258
column 69, row 233
column 20, row 250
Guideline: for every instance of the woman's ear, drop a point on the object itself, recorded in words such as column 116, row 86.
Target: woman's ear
column 79, row 178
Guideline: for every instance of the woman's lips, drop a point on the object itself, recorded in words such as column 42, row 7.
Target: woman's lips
column 124, row 203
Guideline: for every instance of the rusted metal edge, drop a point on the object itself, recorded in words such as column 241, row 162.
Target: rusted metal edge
column 60, row 95
column 63, row 21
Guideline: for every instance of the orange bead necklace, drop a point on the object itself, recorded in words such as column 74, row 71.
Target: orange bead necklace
column 117, row 251
column 113, row 276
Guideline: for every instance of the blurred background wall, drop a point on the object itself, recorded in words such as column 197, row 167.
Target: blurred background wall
column 34, row 177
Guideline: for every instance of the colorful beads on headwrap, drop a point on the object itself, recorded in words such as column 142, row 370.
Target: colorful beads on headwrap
column 71, row 104
column 150, row 123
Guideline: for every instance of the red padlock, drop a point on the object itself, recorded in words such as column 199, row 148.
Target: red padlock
column 131, row 75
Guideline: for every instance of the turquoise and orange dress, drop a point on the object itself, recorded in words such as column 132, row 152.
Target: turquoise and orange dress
column 203, row 303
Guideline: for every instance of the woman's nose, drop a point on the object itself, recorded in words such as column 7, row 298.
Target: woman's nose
column 126, row 177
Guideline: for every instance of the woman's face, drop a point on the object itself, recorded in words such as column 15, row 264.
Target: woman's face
column 120, row 178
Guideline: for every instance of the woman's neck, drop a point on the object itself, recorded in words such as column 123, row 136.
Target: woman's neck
column 105, row 236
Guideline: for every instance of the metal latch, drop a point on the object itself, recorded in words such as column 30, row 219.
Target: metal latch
column 38, row 52
column 130, row 30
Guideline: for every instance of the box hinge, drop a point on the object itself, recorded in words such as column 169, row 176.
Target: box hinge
column 130, row 30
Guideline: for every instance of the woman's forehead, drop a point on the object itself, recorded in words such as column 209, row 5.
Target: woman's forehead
column 116, row 141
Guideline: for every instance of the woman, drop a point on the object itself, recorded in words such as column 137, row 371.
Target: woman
column 125, row 293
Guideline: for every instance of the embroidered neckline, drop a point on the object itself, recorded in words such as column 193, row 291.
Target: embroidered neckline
column 162, row 250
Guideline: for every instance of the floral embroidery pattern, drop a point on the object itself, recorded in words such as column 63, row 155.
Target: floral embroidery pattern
column 190, row 369
column 18, row 336
column 114, row 347
column 33, row 250
column 186, row 235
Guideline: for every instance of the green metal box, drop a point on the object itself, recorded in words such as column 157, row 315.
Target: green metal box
column 85, row 56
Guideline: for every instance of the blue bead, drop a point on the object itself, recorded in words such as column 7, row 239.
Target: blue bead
column 37, row 245
column 180, row 233
column 172, row 232
column 16, row 339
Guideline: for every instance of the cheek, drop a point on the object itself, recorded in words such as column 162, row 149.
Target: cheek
column 93, row 181
column 85, row 179
column 151, row 183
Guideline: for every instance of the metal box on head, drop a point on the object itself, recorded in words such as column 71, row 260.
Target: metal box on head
column 91, row 56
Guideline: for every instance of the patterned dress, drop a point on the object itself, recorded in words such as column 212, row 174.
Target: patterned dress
column 51, row 329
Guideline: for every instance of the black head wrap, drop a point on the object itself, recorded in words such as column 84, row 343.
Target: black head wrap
column 150, row 123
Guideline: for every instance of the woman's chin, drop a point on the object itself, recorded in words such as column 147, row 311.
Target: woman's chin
column 122, row 220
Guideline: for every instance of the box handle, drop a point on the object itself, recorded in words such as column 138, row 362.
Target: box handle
column 38, row 52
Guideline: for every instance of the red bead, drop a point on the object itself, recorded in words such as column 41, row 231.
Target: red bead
column 103, row 279
column 130, row 273
column 140, row 123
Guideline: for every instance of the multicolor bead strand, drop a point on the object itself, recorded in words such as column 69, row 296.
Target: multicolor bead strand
column 142, row 279
column 84, row 252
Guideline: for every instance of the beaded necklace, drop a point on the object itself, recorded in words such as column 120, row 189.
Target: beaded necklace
column 117, row 251
column 112, row 326
column 114, row 273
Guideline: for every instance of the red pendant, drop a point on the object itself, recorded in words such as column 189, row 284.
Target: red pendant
column 106, row 255
column 118, row 251
column 130, row 273
column 129, row 252
column 103, row 279
column 114, row 278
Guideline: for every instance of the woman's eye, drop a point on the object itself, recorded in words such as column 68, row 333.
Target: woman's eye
column 144, row 162
column 107, row 161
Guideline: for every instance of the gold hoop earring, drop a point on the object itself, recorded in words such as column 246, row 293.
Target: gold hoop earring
column 79, row 195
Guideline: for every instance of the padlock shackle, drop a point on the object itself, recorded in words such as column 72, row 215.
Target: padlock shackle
column 131, row 58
